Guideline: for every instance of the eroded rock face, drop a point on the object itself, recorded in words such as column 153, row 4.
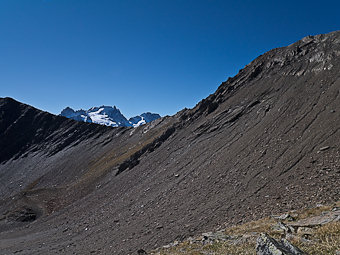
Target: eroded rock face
column 267, row 245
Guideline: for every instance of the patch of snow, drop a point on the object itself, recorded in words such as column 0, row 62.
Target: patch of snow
column 108, row 116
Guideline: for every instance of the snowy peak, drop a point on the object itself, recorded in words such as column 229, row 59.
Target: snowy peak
column 79, row 115
column 108, row 116
column 143, row 118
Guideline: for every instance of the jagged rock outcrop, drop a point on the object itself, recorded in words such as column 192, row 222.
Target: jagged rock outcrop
column 267, row 245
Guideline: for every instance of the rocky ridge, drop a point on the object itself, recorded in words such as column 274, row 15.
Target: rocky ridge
column 264, row 143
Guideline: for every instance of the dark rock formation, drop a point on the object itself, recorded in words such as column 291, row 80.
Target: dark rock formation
column 142, row 252
column 22, row 215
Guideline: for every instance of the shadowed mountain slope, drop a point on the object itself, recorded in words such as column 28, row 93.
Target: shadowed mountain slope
column 266, row 141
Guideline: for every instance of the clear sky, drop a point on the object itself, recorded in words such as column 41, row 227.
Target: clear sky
column 141, row 55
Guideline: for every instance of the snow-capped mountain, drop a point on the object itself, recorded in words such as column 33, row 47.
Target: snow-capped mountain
column 143, row 118
column 108, row 116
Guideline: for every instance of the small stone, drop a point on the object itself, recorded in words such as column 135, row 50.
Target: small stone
column 324, row 148
column 305, row 231
column 285, row 228
column 285, row 216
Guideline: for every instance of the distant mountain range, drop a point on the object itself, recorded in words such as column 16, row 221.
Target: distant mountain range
column 108, row 116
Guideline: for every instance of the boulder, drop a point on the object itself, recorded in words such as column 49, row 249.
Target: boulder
column 266, row 245
column 317, row 221
column 285, row 216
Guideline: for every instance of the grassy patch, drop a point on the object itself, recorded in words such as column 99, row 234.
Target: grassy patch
column 262, row 225
column 323, row 240
column 105, row 163
column 215, row 248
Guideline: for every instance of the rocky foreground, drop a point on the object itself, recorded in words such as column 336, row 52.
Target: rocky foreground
column 310, row 231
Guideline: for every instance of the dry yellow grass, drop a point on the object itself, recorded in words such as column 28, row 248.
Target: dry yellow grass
column 312, row 212
column 262, row 225
column 216, row 248
column 113, row 158
column 323, row 240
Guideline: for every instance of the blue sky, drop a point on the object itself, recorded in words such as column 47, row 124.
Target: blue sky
column 141, row 55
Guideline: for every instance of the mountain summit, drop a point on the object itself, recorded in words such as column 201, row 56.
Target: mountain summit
column 108, row 116
column 266, row 142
